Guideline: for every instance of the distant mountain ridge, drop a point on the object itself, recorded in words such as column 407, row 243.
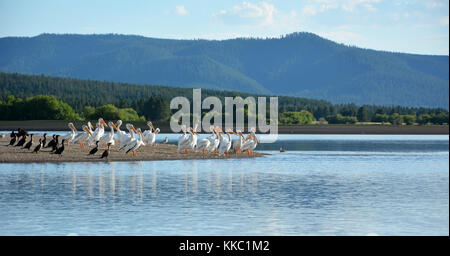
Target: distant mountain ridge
column 299, row 64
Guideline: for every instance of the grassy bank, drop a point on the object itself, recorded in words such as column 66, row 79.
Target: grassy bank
column 56, row 125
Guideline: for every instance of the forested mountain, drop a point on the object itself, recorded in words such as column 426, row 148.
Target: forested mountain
column 299, row 64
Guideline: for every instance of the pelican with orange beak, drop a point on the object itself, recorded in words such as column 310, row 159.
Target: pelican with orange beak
column 194, row 138
column 225, row 144
column 71, row 135
column 237, row 144
column 147, row 133
column 109, row 138
column 133, row 146
column 214, row 141
column 185, row 141
column 98, row 133
column 250, row 143
column 129, row 140
column 182, row 138
column 205, row 144
column 83, row 137
column 121, row 135
column 152, row 136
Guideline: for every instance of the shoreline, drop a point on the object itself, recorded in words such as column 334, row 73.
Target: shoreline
column 55, row 125
column 74, row 153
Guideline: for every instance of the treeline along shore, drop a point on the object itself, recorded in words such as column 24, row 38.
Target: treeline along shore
column 61, row 125
column 32, row 97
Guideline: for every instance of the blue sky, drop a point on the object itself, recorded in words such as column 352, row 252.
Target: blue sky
column 415, row 26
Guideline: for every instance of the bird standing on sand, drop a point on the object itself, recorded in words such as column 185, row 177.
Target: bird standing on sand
column 55, row 145
column 52, row 142
column 30, row 143
column 59, row 150
column 13, row 139
column 21, row 141
column 133, row 146
column 106, row 152
column 44, row 140
column 38, row 147
column 71, row 135
column 94, row 150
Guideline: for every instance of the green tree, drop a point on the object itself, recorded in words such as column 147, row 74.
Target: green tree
column 299, row 118
column 340, row 119
column 409, row 119
column 439, row 118
column 108, row 112
column 424, row 119
column 156, row 108
column 44, row 107
column 89, row 113
column 111, row 112
column 396, row 119
column 362, row 115
column 381, row 118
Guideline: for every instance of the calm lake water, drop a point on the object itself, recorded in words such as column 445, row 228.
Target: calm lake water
column 322, row 185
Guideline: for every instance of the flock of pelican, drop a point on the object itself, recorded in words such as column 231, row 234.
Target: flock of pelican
column 217, row 143
column 96, row 136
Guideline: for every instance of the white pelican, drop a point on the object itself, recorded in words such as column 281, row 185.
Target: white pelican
column 194, row 138
column 237, row 144
column 98, row 133
column 205, row 143
column 211, row 138
column 255, row 138
column 83, row 137
column 185, row 142
column 250, row 143
column 133, row 146
column 214, row 141
column 126, row 138
column 147, row 133
column 225, row 144
column 121, row 135
column 130, row 139
column 153, row 136
column 109, row 138
column 182, row 139
column 71, row 135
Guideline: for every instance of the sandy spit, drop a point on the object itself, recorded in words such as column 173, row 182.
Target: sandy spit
column 74, row 153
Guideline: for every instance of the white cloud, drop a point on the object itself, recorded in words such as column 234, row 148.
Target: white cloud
column 352, row 5
column 309, row 10
column 180, row 10
column 444, row 21
column 261, row 15
column 318, row 6
column 263, row 12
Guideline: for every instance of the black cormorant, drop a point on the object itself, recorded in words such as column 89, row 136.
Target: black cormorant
column 94, row 150
column 30, row 143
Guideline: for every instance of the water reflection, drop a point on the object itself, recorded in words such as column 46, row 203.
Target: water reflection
column 292, row 193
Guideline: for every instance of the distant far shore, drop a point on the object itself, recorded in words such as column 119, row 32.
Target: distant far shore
column 57, row 125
